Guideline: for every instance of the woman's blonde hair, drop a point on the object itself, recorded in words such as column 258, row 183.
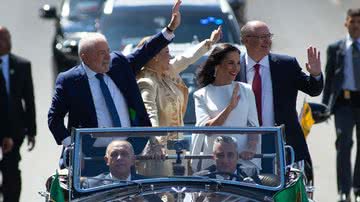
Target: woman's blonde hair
column 143, row 41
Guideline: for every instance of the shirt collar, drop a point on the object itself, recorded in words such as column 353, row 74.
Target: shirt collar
column 264, row 62
column 349, row 41
column 89, row 73
column 5, row 59
column 114, row 178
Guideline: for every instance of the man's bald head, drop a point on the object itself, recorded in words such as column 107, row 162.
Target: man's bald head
column 256, row 37
column 250, row 27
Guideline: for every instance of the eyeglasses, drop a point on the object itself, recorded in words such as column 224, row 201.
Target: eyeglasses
column 262, row 37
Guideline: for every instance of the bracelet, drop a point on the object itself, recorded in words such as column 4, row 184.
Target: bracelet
column 168, row 29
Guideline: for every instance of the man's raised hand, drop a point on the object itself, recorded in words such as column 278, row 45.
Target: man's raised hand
column 313, row 65
column 175, row 16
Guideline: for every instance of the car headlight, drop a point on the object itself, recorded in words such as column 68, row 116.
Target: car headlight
column 68, row 48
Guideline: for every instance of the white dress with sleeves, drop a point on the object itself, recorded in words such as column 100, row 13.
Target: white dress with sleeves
column 209, row 102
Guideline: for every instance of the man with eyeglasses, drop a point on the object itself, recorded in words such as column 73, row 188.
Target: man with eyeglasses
column 342, row 95
column 276, row 80
column 227, row 164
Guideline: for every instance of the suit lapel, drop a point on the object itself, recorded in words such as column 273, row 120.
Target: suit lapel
column 275, row 74
column 118, row 81
column 340, row 54
column 128, row 94
column 12, row 74
column 242, row 74
column 84, row 93
column 109, row 179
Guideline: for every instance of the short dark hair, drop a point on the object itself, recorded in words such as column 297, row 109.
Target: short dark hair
column 225, row 139
column 353, row 12
column 205, row 75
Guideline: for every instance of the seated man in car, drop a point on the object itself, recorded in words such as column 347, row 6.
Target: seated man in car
column 226, row 163
column 119, row 157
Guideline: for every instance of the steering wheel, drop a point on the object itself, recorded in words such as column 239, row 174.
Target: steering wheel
column 231, row 175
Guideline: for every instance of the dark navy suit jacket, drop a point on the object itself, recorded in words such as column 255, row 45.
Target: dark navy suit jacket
column 334, row 72
column 4, row 118
column 73, row 94
column 287, row 79
column 22, row 113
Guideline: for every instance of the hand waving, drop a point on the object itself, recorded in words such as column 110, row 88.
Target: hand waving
column 175, row 16
column 313, row 65
column 216, row 35
column 235, row 97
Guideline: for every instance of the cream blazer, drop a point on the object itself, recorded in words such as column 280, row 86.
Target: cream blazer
column 165, row 95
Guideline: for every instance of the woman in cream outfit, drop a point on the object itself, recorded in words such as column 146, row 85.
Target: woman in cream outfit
column 165, row 96
column 221, row 101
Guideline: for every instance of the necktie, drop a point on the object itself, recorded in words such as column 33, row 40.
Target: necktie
column 256, row 86
column 109, row 101
column 356, row 64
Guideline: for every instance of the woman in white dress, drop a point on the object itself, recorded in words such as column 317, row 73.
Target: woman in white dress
column 221, row 101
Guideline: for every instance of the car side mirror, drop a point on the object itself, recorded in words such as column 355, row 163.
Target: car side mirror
column 48, row 12
column 320, row 112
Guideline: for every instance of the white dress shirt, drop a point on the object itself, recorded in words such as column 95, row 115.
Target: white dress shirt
column 267, row 103
column 102, row 113
column 349, row 81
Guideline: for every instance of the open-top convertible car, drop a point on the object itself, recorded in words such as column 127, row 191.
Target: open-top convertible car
column 179, row 164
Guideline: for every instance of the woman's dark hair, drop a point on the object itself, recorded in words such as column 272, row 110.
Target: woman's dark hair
column 205, row 75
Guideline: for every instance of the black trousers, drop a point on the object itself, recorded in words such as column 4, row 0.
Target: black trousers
column 346, row 118
column 9, row 166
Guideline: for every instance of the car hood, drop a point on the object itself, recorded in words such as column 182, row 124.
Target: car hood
column 184, row 191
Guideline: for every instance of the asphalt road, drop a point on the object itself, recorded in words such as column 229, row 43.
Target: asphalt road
column 296, row 25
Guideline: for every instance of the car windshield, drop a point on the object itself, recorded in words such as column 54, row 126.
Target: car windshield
column 103, row 157
column 120, row 30
column 81, row 8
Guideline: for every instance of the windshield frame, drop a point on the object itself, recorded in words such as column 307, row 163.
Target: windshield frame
column 77, row 135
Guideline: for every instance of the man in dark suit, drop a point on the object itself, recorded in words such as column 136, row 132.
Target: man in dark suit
column 6, row 143
column 102, row 91
column 19, row 87
column 5, row 138
column 342, row 95
column 276, row 80
column 119, row 157
column 226, row 163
